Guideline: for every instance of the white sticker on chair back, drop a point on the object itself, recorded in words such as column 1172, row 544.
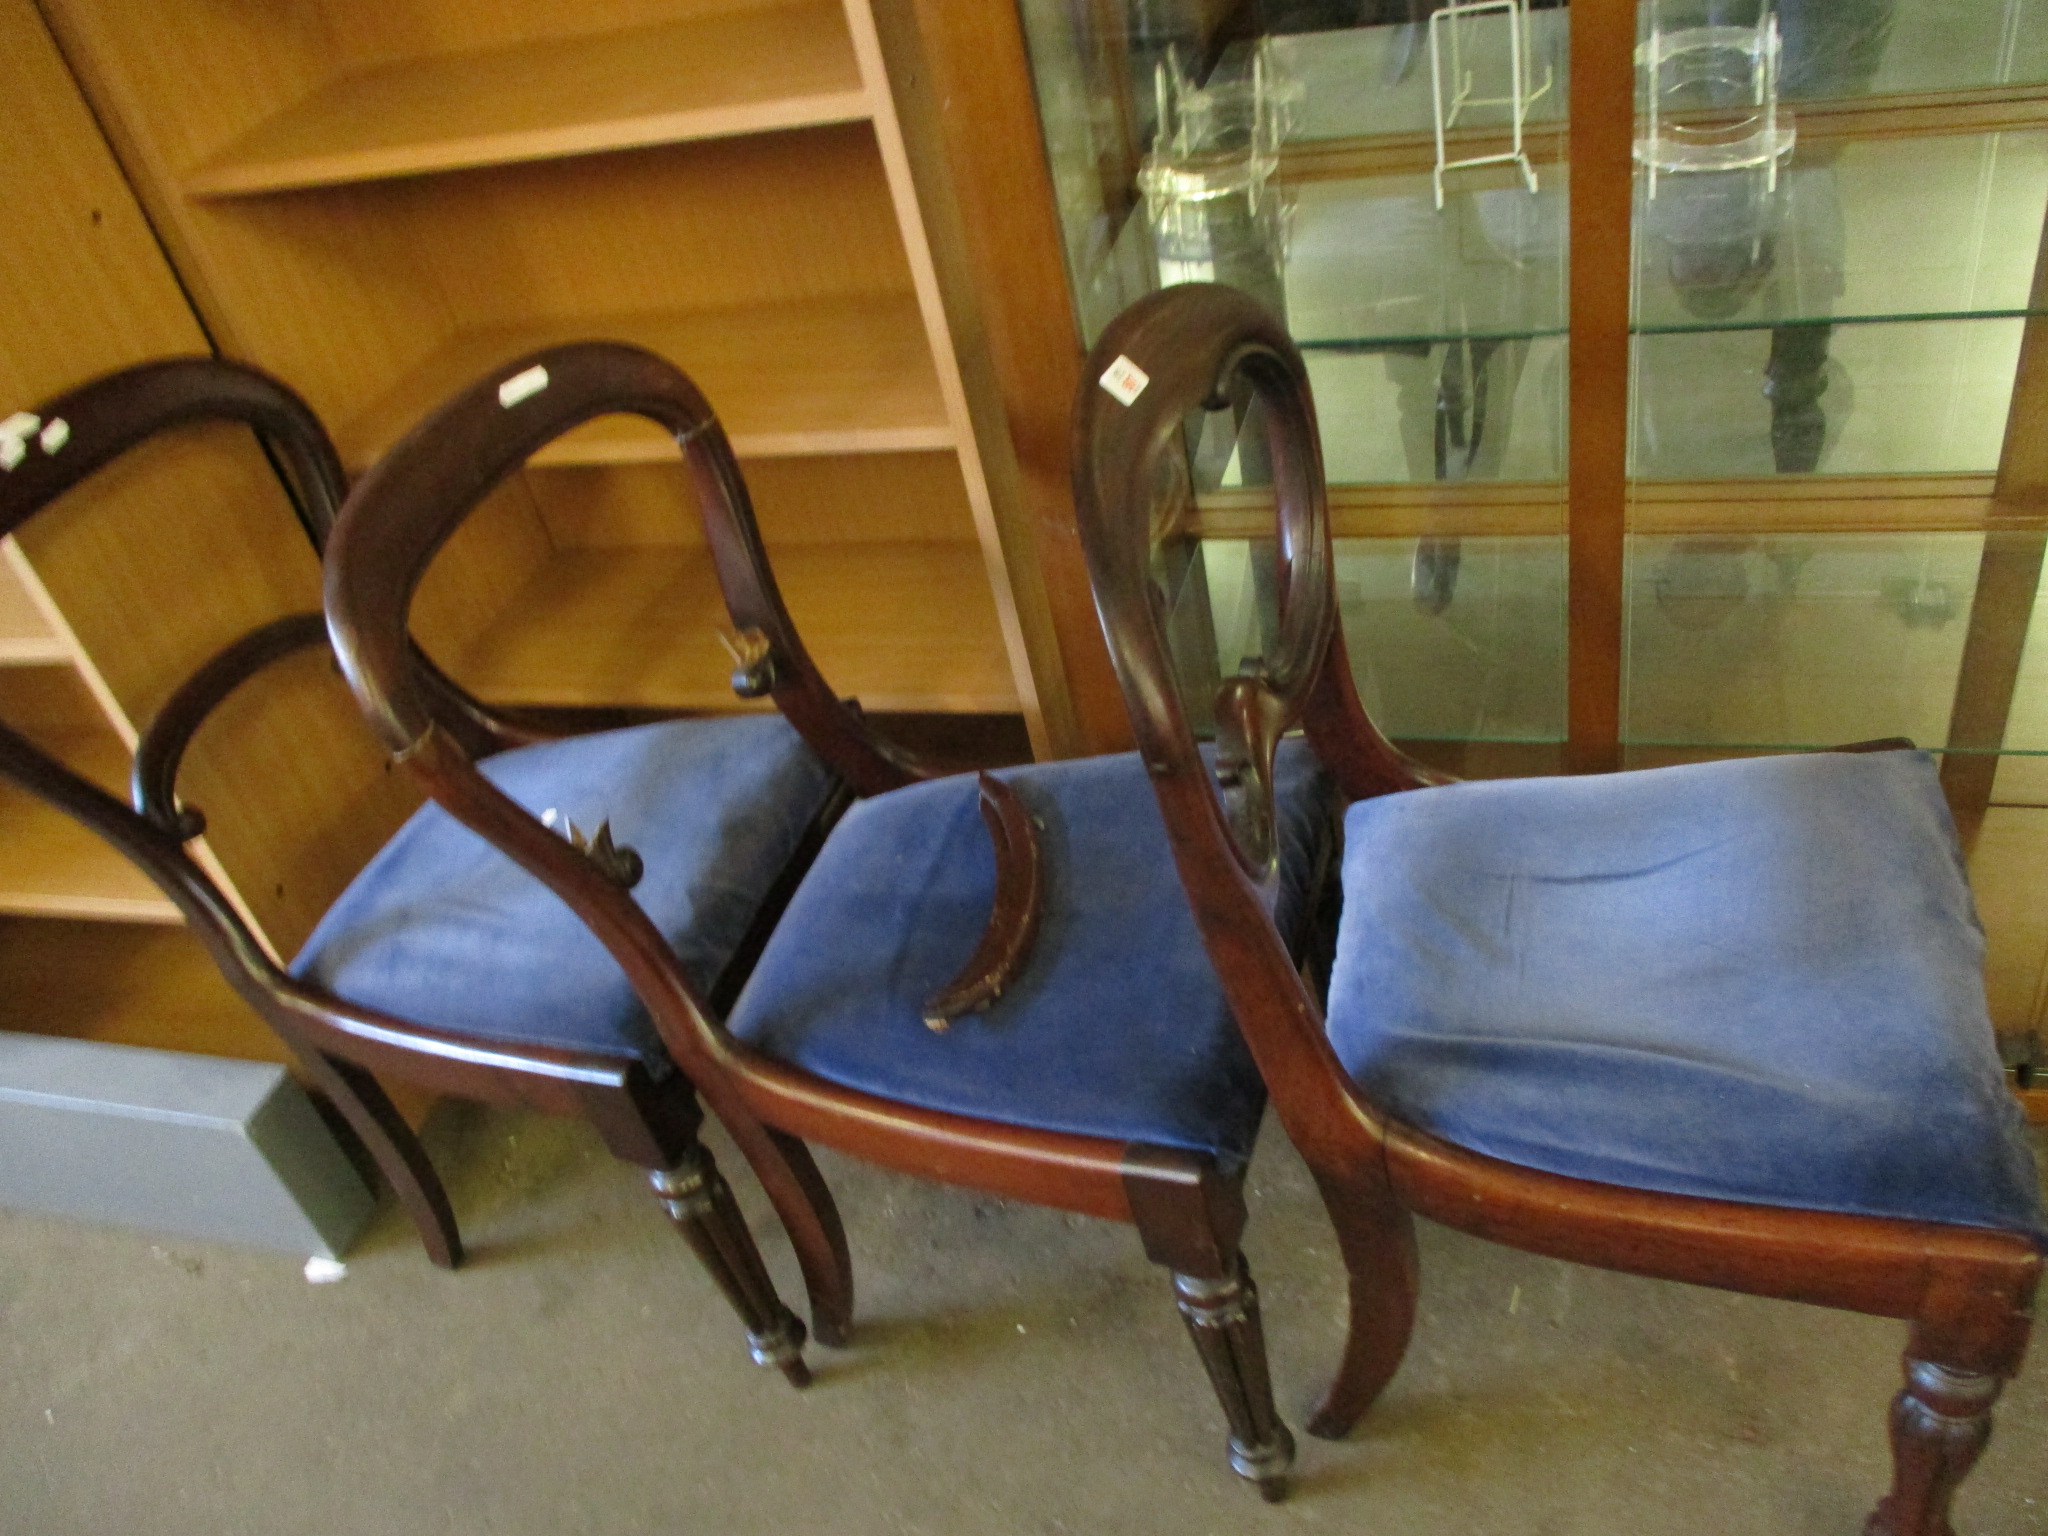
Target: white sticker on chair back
column 1125, row 380
column 15, row 432
column 522, row 386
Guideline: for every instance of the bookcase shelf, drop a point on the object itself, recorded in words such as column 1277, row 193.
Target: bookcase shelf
column 698, row 77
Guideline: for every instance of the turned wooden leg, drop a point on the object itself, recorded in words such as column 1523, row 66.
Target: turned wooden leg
column 654, row 1122
column 1377, row 1239
column 700, row 1203
column 1969, row 1338
column 1222, row 1316
column 1190, row 1215
column 1940, row 1422
column 368, row 1111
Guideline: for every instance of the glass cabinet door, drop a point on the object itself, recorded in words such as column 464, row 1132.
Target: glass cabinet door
column 1828, row 329
column 1394, row 185
column 1836, row 482
column 1785, row 487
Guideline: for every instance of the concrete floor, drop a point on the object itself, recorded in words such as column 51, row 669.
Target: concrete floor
column 1017, row 1371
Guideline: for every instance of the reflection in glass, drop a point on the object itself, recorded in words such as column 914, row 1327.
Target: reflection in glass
column 1921, row 397
column 1215, row 215
column 1475, row 659
column 1787, row 640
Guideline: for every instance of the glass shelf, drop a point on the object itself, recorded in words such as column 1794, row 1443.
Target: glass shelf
column 1945, row 227
column 1784, row 642
column 1918, row 397
column 1450, row 639
column 1370, row 82
column 1372, row 264
column 1840, row 50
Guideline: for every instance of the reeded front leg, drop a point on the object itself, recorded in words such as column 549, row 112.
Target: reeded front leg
column 1191, row 1214
column 700, row 1203
column 1222, row 1317
column 1940, row 1423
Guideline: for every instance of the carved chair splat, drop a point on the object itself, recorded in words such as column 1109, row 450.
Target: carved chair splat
column 1557, row 1101
column 1045, row 882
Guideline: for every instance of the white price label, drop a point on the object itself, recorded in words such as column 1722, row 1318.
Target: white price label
column 1125, row 380
column 522, row 386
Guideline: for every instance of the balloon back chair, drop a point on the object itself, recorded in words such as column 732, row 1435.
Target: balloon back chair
column 991, row 982
column 439, row 963
column 1721, row 1023
column 103, row 420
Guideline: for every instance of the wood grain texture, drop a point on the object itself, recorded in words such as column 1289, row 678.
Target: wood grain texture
column 125, row 985
column 2008, row 579
column 910, row 131
column 898, row 626
column 864, row 498
column 48, row 863
column 980, row 77
column 1536, row 509
column 787, row 271
column 699, row 77
column 825, row 376
column 26, row 638
column 1602, row 105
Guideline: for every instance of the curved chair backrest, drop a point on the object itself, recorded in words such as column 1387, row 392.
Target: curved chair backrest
column 1194, row 345
column 412, row 502
column 408, row 506
column 77, row 434
column 54, row 448
column 93, row 425
column 85, row 429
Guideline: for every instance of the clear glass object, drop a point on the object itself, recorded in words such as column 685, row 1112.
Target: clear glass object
column 1207, row 180
column 1710, row 101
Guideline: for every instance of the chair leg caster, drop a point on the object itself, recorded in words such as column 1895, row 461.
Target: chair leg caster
column 1265, row 1465
column 783, row 1348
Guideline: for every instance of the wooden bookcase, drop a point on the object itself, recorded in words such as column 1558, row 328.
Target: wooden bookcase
column 110, row 598
column 379, row 203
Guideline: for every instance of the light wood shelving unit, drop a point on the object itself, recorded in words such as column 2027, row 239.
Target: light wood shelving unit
column 381, row 203
column 89, row 947
column 90, row 646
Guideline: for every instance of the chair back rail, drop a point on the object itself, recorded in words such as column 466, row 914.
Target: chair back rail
column 90, row 426
column 103, row 419
column 1195, row 344
column 410, row 504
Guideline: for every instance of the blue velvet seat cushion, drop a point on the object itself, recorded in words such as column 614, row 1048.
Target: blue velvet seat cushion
column 1116, row 1026
column 1758, row 980
column 442, row 928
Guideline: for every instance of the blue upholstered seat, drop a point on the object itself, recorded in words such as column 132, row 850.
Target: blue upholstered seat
column 443, row 929
column 1116, row 1027
column 1756, row 980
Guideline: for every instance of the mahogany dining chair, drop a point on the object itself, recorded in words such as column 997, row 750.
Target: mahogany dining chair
column 1721, row 1023
column 990, row 982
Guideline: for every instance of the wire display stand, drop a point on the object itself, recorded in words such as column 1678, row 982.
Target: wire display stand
column 1447, row 30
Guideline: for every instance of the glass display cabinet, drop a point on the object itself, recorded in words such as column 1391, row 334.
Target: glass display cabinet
column 1680, row 366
